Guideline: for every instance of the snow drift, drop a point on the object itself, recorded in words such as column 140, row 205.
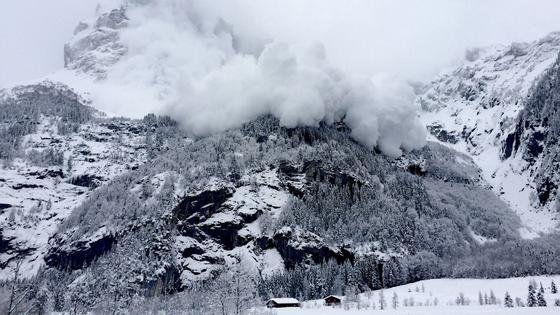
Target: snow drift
column 187, row 63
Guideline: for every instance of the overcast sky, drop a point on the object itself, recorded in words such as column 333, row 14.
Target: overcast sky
column 413, row 38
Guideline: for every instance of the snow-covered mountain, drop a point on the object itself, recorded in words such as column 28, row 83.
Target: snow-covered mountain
column 475, row 109
column 110, row 209
column 56, row 163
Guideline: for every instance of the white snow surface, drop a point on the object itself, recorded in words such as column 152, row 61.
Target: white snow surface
column 443, row 292
column 478, row 103
column 40, row 202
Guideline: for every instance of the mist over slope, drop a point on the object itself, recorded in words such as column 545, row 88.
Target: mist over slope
column 170, row 57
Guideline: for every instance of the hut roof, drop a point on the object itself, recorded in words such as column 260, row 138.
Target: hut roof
column 284, row 300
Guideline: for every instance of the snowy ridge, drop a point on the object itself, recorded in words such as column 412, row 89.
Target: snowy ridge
column 36, row 198
column 475, row 107
column 96, row 45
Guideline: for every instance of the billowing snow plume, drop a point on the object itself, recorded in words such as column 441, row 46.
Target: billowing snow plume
column 193, row 67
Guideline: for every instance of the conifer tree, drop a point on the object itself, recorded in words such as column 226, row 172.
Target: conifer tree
column 382, row 303
column 492, row 298
column 508, row 302
column 395, row 300
column 553, row 288
column 540, row 297
column 531, row 299
column 480, row 298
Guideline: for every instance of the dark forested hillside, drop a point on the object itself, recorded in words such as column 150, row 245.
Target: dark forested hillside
column 537, row 133
column 311, row 196
column 297, row 211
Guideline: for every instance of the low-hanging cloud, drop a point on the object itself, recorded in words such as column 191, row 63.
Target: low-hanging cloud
column 194, row 68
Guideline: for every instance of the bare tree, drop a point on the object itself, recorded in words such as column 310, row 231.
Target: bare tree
column 18, row 291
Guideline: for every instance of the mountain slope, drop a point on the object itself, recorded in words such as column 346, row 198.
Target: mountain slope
column 475, row 110
column 267, row 197
column 55, row 151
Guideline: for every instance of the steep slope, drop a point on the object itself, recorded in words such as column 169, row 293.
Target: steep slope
column 475, row 110
column 536, row 134
column 55, row 150
column 267, row 198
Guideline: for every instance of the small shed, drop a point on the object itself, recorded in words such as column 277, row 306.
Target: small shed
column 282, row 302
column 332, row 300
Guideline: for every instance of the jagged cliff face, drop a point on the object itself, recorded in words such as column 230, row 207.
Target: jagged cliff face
column 139, row 203
column 96, row 45
column 475, row 109
column 536, row 135
column 38, row 190
column 270, row 198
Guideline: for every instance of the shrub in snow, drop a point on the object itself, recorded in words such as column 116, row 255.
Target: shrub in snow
column 462, row 300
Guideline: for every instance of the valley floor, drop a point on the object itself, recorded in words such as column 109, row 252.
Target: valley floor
column 439, row 296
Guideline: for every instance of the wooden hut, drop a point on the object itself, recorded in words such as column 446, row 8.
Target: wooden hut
column 332, row 300
column 282, row 302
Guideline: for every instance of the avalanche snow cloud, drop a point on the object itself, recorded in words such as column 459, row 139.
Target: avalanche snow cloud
column 194, row 67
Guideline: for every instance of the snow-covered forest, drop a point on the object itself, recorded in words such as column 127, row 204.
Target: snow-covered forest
column 181, row 163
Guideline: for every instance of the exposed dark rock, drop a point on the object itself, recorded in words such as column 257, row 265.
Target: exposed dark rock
column 165, row 283
column 48, row 173
column 264, row 242
column 249, row 217
column 4, row 206
column 225, row 232
column 512, row 142
column 416, row 169
column 78, row 254
column 192, row 249
column 442, row 134
column 244, row 239
column 205, row 203
column 316, row 171
column 4, row 243
column 86, row 180
column 305, row 247
column 534, row 146
column 24, row 185
column 287, row 169
column 545, row 190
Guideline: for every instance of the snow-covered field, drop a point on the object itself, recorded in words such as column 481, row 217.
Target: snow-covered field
column 439, row 296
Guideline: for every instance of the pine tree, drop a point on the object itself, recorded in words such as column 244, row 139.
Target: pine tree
column 540, row 297
column 553, row 289
column 480, row 298
column 508, row 302
column 395, row 300
column 492, row 298
column 485, row 298
column 531, row 299
column 69, row 164
column 382, row 303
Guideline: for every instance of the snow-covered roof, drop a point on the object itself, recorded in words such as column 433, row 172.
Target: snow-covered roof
column 284, row 300
column 334, row 296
